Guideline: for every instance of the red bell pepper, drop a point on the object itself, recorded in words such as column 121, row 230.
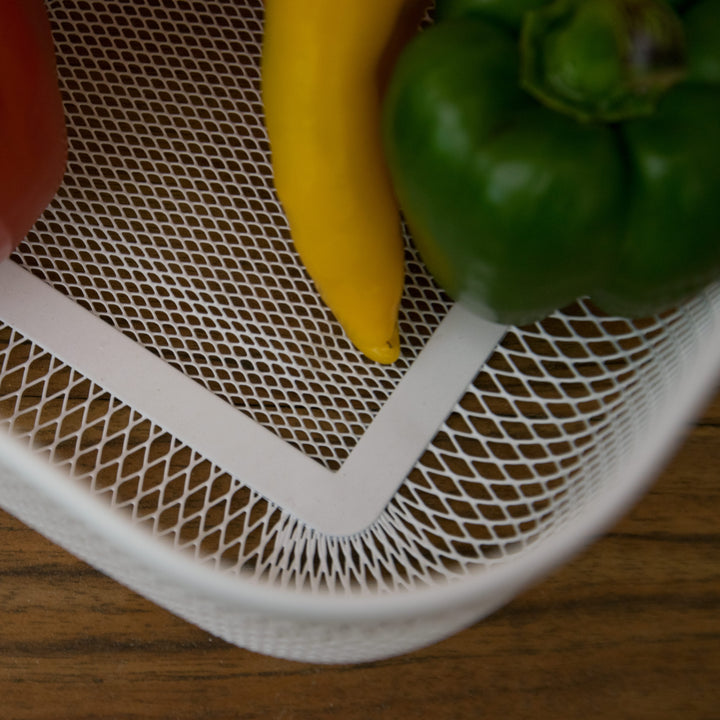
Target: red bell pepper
column 33, row 143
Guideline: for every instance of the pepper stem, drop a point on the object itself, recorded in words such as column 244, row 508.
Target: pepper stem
column 603, row 60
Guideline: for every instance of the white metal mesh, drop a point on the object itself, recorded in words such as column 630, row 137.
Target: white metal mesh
column 545, row 426
column 167, row 228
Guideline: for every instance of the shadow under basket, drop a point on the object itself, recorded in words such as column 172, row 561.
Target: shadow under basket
column 181, row 411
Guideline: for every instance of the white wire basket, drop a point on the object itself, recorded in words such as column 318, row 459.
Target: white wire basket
column 181, row 411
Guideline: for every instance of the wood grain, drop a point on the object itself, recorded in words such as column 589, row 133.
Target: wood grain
column 628, row 630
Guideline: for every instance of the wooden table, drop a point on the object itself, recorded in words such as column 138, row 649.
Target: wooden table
column 628, row 630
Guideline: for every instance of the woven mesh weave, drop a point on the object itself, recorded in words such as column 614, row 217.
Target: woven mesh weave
column 167, row 228
column 527, row 447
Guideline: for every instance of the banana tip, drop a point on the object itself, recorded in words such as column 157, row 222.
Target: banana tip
column 385, row 353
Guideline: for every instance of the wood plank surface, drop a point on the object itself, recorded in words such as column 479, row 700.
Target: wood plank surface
column 630, row 629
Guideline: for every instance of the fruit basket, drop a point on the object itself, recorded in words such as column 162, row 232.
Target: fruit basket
column 180, row 410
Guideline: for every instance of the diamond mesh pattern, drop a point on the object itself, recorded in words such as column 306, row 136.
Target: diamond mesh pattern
column 167, row 225
column 540, row 432
column 168, row 229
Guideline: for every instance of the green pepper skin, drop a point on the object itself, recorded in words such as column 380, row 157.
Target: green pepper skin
column 701, row 28
column 491, row 172
column 671, row 246
column 507, row 13
column 517, row 209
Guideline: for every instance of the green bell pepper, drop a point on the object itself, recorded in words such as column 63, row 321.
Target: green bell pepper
column 544, row 151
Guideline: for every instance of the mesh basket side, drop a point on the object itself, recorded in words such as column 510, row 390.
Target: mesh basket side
column 269, row 632
column 545, row 429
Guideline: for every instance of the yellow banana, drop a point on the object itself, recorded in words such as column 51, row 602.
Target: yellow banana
column 322, row 72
